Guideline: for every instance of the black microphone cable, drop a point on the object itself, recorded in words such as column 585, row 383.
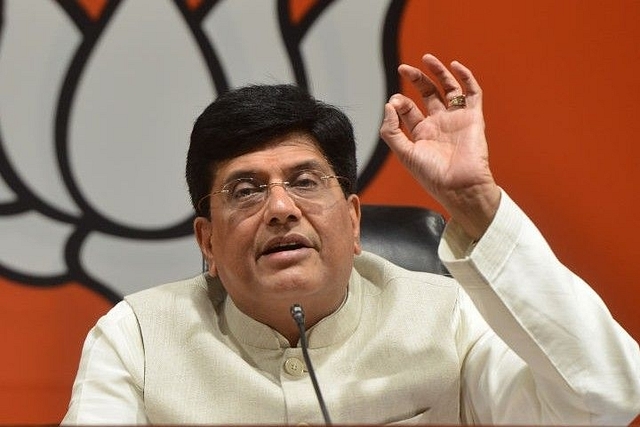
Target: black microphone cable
column 298, row 315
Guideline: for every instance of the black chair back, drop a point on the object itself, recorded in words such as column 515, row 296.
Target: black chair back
column 405, row 235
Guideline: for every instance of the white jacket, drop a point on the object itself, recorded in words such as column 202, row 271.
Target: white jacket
column 405, row 347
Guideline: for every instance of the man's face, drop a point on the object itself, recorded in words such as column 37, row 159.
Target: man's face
column 284, row 249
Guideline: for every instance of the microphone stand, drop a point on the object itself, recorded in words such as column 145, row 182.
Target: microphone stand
column 298, row 316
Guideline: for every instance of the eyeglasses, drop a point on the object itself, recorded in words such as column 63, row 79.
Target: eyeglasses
column 248, row 194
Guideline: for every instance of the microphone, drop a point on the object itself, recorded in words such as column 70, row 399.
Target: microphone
column 298, row 316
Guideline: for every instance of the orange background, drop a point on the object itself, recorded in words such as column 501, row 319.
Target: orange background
column 561, row 85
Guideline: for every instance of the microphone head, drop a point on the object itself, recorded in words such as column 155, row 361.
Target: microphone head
column 297, row 313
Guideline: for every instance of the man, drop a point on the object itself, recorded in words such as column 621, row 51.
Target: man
column 271, row 174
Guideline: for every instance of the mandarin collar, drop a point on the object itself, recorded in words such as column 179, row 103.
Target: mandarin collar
column 331, row 330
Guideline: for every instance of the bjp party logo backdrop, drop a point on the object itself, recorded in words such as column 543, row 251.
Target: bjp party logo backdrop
column 98, row 97
column 96, row 112
column 97, row 102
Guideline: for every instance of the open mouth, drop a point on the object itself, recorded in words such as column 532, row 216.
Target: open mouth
column 284, row 247
column 288, row 243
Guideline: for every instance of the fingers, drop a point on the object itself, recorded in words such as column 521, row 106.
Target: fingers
column 390, row 130
column 437, row 92
column 407, row 111
column 428, row 90
column 469, row 83
column 446, row 80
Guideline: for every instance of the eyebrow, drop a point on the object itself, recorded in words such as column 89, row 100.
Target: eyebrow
column 252, row 173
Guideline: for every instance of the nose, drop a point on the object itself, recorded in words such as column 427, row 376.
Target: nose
column 280, row 207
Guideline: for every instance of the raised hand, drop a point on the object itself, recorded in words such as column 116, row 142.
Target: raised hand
column 446, row 149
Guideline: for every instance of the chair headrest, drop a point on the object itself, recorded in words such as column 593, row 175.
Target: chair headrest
column 405, row 235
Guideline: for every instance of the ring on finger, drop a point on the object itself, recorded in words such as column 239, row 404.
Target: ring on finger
column 458, row 101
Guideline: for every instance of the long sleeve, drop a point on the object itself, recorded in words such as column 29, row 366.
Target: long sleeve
column 561, row 358
column 109, row 383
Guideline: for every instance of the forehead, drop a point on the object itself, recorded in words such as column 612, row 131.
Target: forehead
column 278, row 156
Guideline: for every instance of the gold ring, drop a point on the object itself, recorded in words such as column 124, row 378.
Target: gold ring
column 458, row 101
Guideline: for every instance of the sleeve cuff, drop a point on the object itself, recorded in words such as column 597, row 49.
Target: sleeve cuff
column 457, row 250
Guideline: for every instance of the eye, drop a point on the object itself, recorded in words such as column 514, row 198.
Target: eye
column 306, row 181
column 244, row 188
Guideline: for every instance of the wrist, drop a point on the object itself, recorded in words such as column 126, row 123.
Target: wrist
column 473, row 209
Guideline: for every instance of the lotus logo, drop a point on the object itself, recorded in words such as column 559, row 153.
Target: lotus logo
column 97, row 106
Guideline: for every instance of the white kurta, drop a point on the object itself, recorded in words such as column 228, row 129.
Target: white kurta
column 404, row 347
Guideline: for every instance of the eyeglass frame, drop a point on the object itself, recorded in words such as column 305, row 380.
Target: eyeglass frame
column 343, row 182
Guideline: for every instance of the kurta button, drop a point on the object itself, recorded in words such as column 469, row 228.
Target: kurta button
column 294, row 367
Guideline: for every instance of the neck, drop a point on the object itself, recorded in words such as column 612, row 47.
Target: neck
column 278, row 315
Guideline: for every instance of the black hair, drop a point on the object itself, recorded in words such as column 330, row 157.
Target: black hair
column 244, row 120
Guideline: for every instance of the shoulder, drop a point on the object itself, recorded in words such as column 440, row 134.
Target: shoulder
column 198, row 290
column 409, row 299
column 385, row 276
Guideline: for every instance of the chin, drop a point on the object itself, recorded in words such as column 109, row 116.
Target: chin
column 298, row 285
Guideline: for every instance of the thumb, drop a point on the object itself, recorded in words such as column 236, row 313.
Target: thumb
column 391, row 132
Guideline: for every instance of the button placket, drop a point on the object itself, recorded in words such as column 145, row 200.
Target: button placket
column 295, row 367
column 300, row 401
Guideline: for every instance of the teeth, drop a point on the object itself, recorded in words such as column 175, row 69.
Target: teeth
column 284, row 246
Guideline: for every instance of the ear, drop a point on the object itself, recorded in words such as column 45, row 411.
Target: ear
column 354, row 212
column 202, row 231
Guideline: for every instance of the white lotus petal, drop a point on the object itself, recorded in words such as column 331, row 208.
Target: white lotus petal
column 248, row 41
column 6, row 194
column 38, row 42
column 140, row 92
column 343, row 53
column 140, row 263
column 37, row 244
